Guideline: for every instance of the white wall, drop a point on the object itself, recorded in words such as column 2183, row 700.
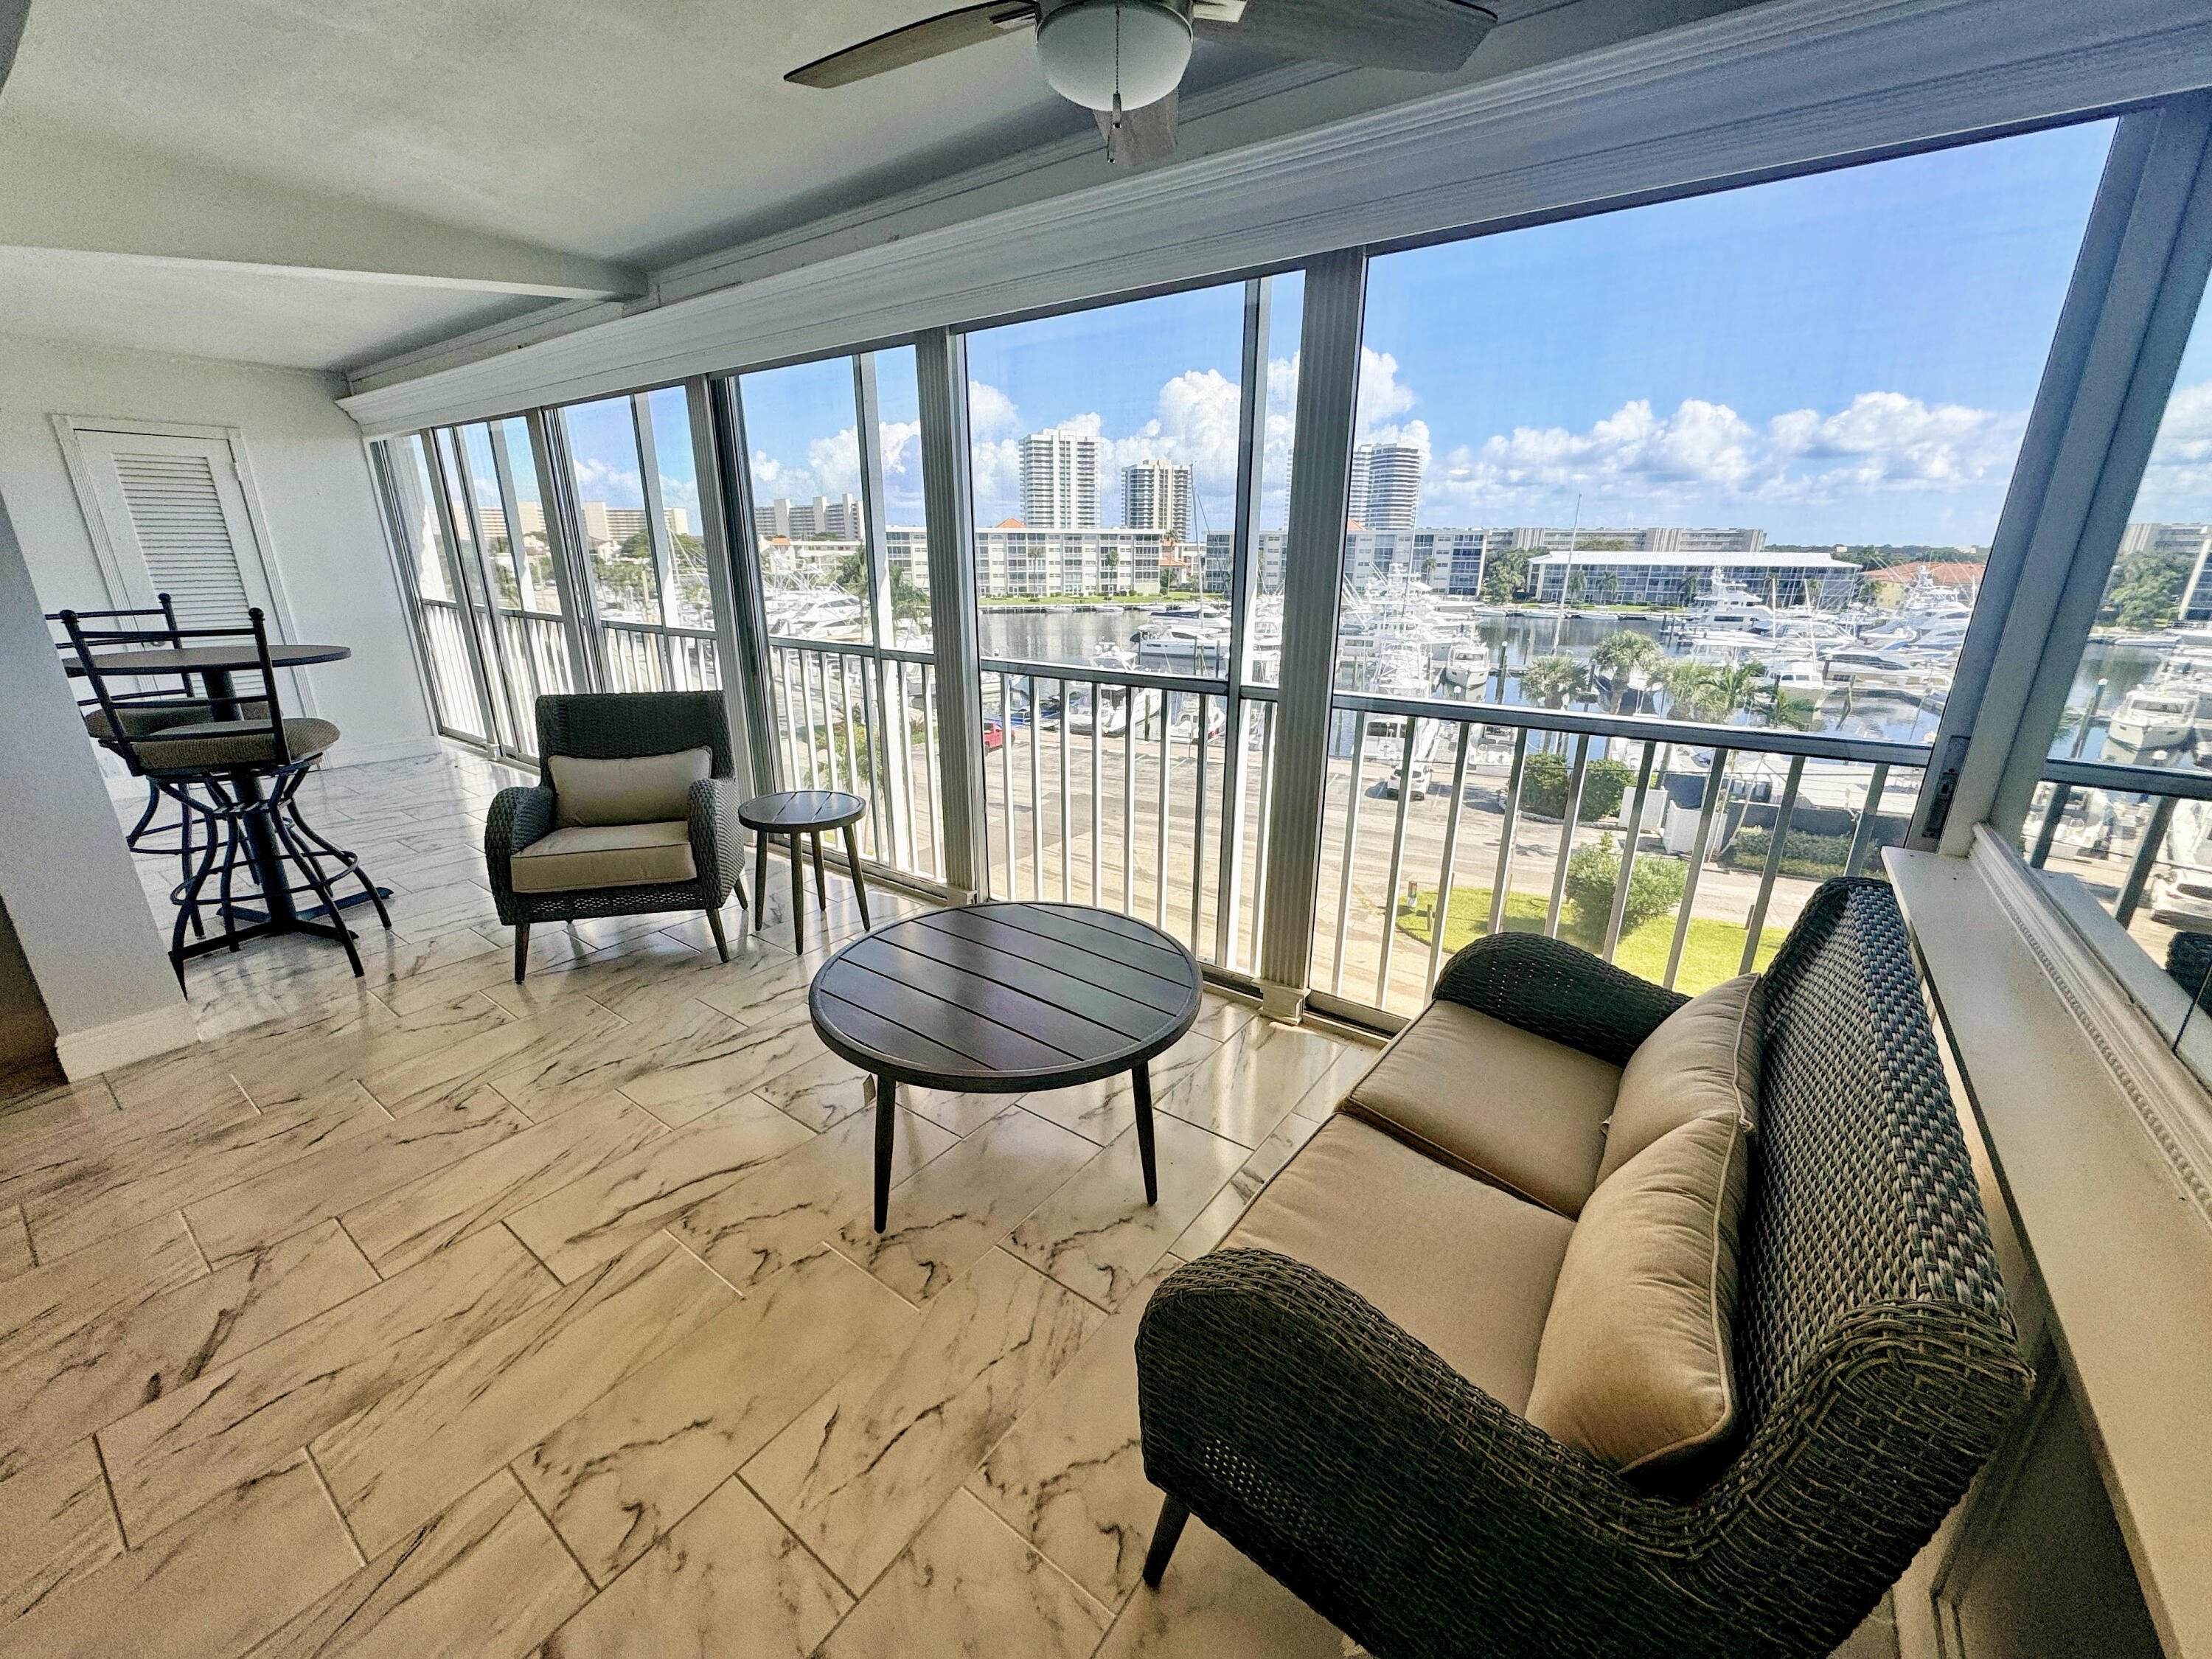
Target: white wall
column 73, row 899
column 315, row 490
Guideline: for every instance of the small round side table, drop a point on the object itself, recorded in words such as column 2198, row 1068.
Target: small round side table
column 796, row 812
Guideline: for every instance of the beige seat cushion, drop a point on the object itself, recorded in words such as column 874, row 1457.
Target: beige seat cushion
column 138, row 721
column 1702, row 1058
column 645, row 789
column 1494, row 1102
column 1636, row 1366
column 1466, row 1268
column 604, row 855
column 235, row 743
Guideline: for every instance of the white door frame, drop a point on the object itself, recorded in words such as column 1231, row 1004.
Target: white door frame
column 113, row 576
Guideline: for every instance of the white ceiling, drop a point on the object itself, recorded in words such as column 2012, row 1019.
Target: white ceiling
column 449, row 163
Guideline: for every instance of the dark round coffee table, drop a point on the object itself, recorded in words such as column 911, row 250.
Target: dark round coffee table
column 796, row 812
column 1004, row 998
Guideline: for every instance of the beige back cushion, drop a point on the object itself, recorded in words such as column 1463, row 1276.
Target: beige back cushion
column 649, row 789
column 1635, row 1364
column 1702, row 1058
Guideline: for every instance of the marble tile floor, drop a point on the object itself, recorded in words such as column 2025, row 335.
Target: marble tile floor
column 426, row 1313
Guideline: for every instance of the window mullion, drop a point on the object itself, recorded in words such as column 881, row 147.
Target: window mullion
column 941, row 371
column 1321, row 482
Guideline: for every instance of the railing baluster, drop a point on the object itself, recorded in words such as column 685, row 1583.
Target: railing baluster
column 1869, row 811
column 2060, row 794
column 1456, row 802
column 2161, row 817
column 1128, row 801
column 845, row 719
column 1757, row 924
column 828, row 727
column 1198, row 834
column 1097, row 719
column 1067, row 835
column 1266, row 806
column 1567, row 834
column 1503, row 882
column 929, row 772
column 1006, row 773
column 791, row 720
column 1628, row 853
column 1351, row 846
column 1716, row 793
column 1397, row 865
column 1160, row 841
column 900, row 728
column 1036, row 729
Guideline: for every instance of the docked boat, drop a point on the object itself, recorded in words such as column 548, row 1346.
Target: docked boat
column 2159, row 723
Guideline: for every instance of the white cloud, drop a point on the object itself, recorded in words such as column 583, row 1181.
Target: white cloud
column 2178, row 485
column 990, row 410
column 1704, row 452
column 601, row 481
column 1381, row 399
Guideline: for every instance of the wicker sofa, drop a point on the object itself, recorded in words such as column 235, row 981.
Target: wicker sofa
column 1873, row 1356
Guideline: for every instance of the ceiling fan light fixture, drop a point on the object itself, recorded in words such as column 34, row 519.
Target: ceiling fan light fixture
column 1092, row 51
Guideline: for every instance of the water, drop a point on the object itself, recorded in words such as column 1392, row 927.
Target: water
column 1063, row 634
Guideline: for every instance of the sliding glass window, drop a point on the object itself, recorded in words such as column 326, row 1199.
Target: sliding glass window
column 1694, row 497
column 2125, row 819
column 419, row 521
column 637, row 515
column 833, row 455
column 1114, row 454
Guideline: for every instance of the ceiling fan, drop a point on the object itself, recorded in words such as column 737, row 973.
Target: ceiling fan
column 1123, row 59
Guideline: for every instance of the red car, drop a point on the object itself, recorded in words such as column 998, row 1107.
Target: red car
column 994, row 734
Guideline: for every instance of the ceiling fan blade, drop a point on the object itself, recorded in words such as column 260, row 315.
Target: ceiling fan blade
column 1435, row 36
column 933, row 37
column 13, row 15
column 1146, row 136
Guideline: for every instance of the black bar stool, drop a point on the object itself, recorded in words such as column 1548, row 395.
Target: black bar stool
column 236, row 765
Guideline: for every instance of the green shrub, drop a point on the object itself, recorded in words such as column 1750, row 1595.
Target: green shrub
column 1544, row 788
column 1802, row 854
column 1655, row 887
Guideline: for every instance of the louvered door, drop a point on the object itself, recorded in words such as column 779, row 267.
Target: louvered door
column 175, row 516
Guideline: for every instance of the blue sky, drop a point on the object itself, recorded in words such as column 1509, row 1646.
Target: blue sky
column 1844, row 357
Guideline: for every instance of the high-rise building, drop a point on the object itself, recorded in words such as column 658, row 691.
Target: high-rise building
column 1060, row 480
column 1156, row 495
column 820, row 520
column 1386, row 486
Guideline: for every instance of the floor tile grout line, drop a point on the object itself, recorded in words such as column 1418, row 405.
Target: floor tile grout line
column 199, row 1249
column 737, row 1474
column 360, row 1556
column 107, row 1484
column 669, row 1233
column 559, row 1537
column 1027, row 1543
column 501, row 1224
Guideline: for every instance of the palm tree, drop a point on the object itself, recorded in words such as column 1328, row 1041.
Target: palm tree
column 1688, row 688
column 1620, row 657
column 1555, row 680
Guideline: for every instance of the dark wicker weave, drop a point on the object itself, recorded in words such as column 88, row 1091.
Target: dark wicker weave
column 1874, row 1356
column 619, row 725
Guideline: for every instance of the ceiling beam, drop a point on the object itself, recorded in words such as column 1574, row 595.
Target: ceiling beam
column 79, row 193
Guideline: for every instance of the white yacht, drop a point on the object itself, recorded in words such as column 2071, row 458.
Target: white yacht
column 2159, row 723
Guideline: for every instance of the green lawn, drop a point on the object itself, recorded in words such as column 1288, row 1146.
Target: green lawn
column 1711, row 953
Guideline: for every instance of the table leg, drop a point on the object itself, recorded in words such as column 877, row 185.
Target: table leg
column 268, row 862
column 797, row 899
column 1143, row 1079
column 760, row 878
column 821, row 892
column 859, row 887
column 886, row 1116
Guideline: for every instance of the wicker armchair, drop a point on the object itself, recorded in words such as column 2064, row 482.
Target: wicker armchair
column 621, row 726
column 1875, row 1357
